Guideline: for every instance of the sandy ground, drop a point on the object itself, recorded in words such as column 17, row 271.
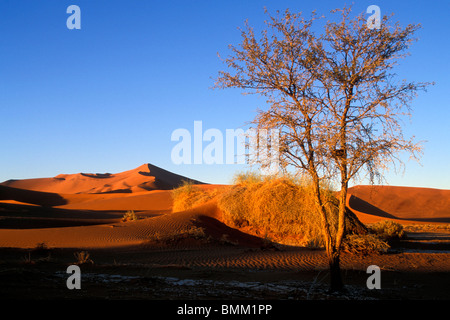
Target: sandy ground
column 162, row 255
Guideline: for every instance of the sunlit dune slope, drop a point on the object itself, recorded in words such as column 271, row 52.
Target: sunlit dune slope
column 144, row 178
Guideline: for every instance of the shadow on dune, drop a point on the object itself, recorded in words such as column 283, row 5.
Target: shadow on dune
column 97, row 175
column 21, row 216
column 114, row 191
column 45, row 199
column 360, row 205
column 220, row 231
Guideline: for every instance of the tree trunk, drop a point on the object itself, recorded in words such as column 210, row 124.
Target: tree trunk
column 336, row 283
column 340, row 232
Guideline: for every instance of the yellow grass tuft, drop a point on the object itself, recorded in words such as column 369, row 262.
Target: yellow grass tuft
column 188, row 195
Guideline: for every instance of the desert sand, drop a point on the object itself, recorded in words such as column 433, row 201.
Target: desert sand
column 73, row 212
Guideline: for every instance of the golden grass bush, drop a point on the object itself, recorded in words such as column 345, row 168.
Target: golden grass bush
column 279, row 208
column 188, row 195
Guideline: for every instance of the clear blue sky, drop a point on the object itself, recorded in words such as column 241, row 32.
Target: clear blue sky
column 106, row 98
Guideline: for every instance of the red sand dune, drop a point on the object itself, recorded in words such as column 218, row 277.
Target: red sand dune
column 403, row 204
column 144, row 178
column 146, row 189
column 159, row 200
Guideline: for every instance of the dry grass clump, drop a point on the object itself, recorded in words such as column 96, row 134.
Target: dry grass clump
column 426, row 227
column 364, row 244
column 279, row 208
column 381, row 234
column 129, row 216
column 388, row 230
column 189, row 195
column 42, row 251
column 83, row 257
column 197, row 233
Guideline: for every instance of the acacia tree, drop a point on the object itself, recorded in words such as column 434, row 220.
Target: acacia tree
column 333, row 97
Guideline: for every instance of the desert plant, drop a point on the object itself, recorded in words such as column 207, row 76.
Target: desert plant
column 225, row 239
column 129, row 216
column 41, row 247
column 425, row 227
column 281, row 207
column 388, row 230
column 193, row 232
column 27, row 259
column 364, row 244
column 248, row 177
column 189, row 195
column 82, row 257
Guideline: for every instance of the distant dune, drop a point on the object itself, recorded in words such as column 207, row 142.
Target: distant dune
column 374, row 203
column 144, row 178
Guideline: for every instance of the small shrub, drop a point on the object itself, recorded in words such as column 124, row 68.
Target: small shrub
column 224, row 239
column 388, row 230
column 193, row 232
column 196, row 232
column 41, row 248
column 189, row 195
column 129, row 216
column 82, row 257
column 364, row 244
column 248, row 178
column 27, row 259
